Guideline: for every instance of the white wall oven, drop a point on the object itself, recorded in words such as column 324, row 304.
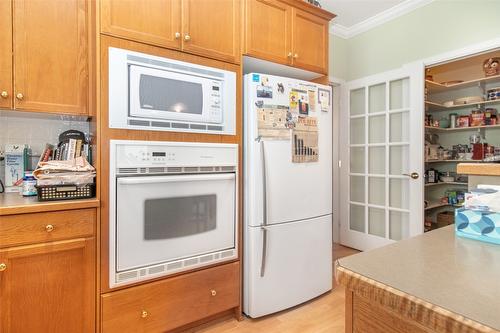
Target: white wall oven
column 173, row 207
column 147, row 92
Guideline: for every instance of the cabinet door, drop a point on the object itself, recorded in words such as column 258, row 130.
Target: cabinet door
column 48, row 287
column 6, row 54
column 268, row 30
column 156, row 22
column 310, row 42
column 50, row 56
column 211, row 28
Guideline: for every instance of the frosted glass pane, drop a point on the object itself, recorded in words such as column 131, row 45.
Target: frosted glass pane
column 358, row 101
column 376, row 129
column 358, row 189
column 399, row 127
column 398, row 225
column 357, row 160
column 398, row 160
column 358, row 130
column 398, row 193
column 376, row 191
column 377, row 98
column 376, row 222
column 357, row 218
column 376, row 158
column 399, row 94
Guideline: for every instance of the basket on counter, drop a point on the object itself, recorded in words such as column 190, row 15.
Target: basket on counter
column 65, row 192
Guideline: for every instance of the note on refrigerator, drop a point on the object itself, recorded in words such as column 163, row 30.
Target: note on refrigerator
column 274, row 123
column 305, row 140
column 324, row 99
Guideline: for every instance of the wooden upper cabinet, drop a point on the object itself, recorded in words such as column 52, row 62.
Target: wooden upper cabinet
column 212, row 28
column 310, row 42
column 156, row 22
column 51, row 56
column 48, row 287
column 6, row 54
column 289, row 32
column 268, row 27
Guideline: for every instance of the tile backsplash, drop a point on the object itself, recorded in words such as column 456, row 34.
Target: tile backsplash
column 36, row 129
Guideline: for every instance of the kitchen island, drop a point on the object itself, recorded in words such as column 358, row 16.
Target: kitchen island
column 435, row 282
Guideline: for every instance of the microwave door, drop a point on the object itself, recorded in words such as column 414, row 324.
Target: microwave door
column 167, row 95
column 166, row 218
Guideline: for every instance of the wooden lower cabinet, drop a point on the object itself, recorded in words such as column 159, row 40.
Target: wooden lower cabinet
column 165, row 305
column 48, row 287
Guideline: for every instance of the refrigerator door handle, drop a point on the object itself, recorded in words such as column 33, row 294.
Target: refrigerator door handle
column 264, row 210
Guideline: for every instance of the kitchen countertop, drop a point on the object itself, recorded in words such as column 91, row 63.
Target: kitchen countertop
column 482, row 169
column 455, row 274
column 13, row 203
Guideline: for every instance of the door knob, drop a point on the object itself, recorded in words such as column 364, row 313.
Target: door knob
column 4, row 94
column 20, row 96
column 187, row 37
column 412, row 175
column 177, row 35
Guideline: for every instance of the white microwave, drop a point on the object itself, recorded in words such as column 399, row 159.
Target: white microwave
column 147, row 92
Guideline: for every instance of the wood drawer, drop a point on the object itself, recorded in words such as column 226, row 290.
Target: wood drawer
column 165, row 305
column 44, row 227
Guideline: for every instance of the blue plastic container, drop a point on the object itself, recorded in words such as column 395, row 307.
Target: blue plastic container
column 478, row 225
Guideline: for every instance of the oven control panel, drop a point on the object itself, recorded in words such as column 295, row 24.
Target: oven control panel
column 133, row 154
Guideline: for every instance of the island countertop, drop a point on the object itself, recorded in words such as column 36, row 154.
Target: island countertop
column 443, row 271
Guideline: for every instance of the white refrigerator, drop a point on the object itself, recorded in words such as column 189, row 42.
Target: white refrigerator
column 287, row 205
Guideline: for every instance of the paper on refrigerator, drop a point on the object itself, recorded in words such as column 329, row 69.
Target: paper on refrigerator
column 305, row 140
column 275, row 122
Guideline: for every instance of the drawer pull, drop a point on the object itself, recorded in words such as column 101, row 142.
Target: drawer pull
column 213, row 292
column 3, row 267
column 144, row 314
column 20, row 96
column 4, row 94
column 49, row 228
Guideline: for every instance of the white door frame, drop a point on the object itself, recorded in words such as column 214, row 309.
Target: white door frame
column 415, row 73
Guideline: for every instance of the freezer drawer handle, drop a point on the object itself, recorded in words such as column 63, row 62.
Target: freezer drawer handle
column 264, row 210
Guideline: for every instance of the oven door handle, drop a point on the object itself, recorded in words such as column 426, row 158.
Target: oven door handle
column 172, row 179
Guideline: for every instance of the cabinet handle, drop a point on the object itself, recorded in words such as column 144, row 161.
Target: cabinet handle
column 3, row 267
column 4, row 94
column 289, row 54
column 187, row 37
column 20, row 96
column 177, row 35
column 213, row 292
column 144, row 314
column 295, row 56
column 49, row 227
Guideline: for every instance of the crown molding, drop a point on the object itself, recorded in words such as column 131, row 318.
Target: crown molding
column 378, row 19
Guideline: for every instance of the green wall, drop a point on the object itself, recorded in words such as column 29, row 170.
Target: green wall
column 441, row 26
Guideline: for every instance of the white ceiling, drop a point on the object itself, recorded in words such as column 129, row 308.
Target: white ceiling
column 351, row 12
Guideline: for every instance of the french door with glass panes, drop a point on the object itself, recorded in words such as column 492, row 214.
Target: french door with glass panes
column 382, row 183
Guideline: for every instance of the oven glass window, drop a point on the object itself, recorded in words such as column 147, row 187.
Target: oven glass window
column 163, row 94
column 179, row 217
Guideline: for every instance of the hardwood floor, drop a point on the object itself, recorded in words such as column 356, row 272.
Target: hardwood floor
column 320, row 315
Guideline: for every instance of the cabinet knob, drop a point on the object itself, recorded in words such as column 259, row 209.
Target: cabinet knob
column 177, row 35
column 295, row 56
column 3, row 267
column 144, row 314
column 20, row 96
column 213, row 292
column 289, row 54
column 4, row 94
column 187, row 37
column 49, row 227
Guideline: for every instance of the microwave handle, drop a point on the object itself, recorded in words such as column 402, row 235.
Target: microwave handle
column 174, row 178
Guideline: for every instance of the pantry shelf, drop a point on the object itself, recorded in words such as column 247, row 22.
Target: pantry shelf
column 446, row 183
column 433, row 106
column 435, row 87
column 471, row 128
column 435, row 205
column 453, row 161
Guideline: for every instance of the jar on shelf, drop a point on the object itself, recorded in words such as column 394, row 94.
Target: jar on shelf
column 453, row 120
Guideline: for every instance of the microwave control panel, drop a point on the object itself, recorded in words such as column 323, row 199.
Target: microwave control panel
column 215, row 115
